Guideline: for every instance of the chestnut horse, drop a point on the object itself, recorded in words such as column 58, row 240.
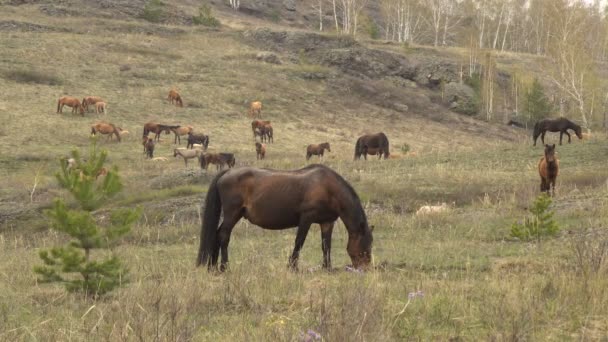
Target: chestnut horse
column 255, row 109
column 548, row 169
column 152, row 127
column 70, row 102
column 106, row 128
column 101, row 107
column 372, row 144
column 174, row 97
column 219, row 159
column 255, row 124
column 179, row 131
column 317, row 150
column 90, row 100
column 260, row 150
column 561, row 125
column 273, row 199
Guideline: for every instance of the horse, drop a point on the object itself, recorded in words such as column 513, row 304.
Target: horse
column 219, row 159
column 260, row 150
column 255, row 109
column 257, row 124
column 70, row 102
column 152, row 127
column 273, row 199
column 372, row 144
column 517, row 124
column 548, row 169
column 179, row 131
column 149, row 147
column 561, row 125
column 106, row 128
column 198, row 139
column 187, row 154
column 90, row 100
column 100, row 107
column 174, row 97
column 317, row 150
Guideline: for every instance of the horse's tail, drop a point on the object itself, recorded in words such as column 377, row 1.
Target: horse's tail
column 211, row 220
column 357, row 149
column 58, row 105
column 206, row 142
column 387, row 152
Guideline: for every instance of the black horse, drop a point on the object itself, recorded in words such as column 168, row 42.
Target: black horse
column 198, row 139
column 273, row 199
column 372, row 144
column 561, row 125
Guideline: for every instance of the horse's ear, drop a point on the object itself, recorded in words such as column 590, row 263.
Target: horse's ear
column 371, row 228
column 553, row 146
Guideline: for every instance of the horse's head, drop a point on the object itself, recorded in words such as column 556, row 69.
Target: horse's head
column 175, row 153
column 579, row 132
column 550, row 153
column 326, row 145
column 359, row 247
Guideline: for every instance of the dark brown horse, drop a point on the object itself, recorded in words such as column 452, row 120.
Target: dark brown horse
column 198, row 139
column 157, row 129
column 149, row 147
column 561, row 125
column 372, row 144
column 219, row 159
column 548, row 169
column 314, row 194
column 317, row 150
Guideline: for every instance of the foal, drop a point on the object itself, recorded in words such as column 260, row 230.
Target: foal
column 317, row 150
column 260, row 150
column 548, row 168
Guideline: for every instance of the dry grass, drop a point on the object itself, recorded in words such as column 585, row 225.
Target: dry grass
column 478, row 285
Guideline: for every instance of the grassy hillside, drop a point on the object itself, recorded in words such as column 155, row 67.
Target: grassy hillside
column 478, row 283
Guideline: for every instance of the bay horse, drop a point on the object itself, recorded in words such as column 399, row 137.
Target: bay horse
column 106, row 128
column 317, row 150
column 198, row 139
column 149, row 147
column 70, row 102
column 257, row 124
column 260, row 150
column 548, row 169
column 90, row 100
column 157, row 129
column 372, row 144
column 179, row 131
column 561, row 125
column 174, row 97
column 255, row 109
column 273, row 199
column 219, row 159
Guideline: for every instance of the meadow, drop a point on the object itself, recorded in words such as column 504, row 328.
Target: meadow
column 475, row 281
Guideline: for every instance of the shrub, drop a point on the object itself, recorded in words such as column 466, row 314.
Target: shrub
column 72, row 264
column 153, row 11
column 405, row 148
column 536, row 105
column 540, row 223
column 205, row 17
column 32, row 76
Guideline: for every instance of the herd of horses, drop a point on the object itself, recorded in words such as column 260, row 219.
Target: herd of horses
column 275, row 199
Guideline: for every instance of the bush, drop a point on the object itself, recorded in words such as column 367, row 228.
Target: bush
column 405, row 148
column 205, row 17
column 539, row 224
column 73, row 264
column 153, row 11
column 536, row 105
column 32, row 76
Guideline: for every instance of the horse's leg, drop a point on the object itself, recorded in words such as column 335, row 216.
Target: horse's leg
column 326, row 231
column 303, row 228
column 223, row 236
column 561, row 134
column 542, row 137
column 569, row 137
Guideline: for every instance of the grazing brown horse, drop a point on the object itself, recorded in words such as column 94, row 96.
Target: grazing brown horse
column 106, row 128
column 179, row 131
column 255, row 109
column 317, row 150
column 174, row 97
column 101, row 107
column 372, row 144
column 198, row 139
column 216, row 158
column 157, row 129
column 561, row 125
column 276, row 200
column 149, row 147
column 90, row 100
column 70, row 102
column 260, row 150
column 255, row 124
column 548, row 168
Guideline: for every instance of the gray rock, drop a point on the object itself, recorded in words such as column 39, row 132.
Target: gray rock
column 268, row 57
column 290, row 5
column 460, row 98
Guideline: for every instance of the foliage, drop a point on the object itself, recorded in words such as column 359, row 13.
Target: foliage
column 536, row 106
column 205, row 17
column 275, row 16
column 153, row 11
column 405, row 148
column 540, row 223
column 32, row 76
column 473, row 105
column 72, row 264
